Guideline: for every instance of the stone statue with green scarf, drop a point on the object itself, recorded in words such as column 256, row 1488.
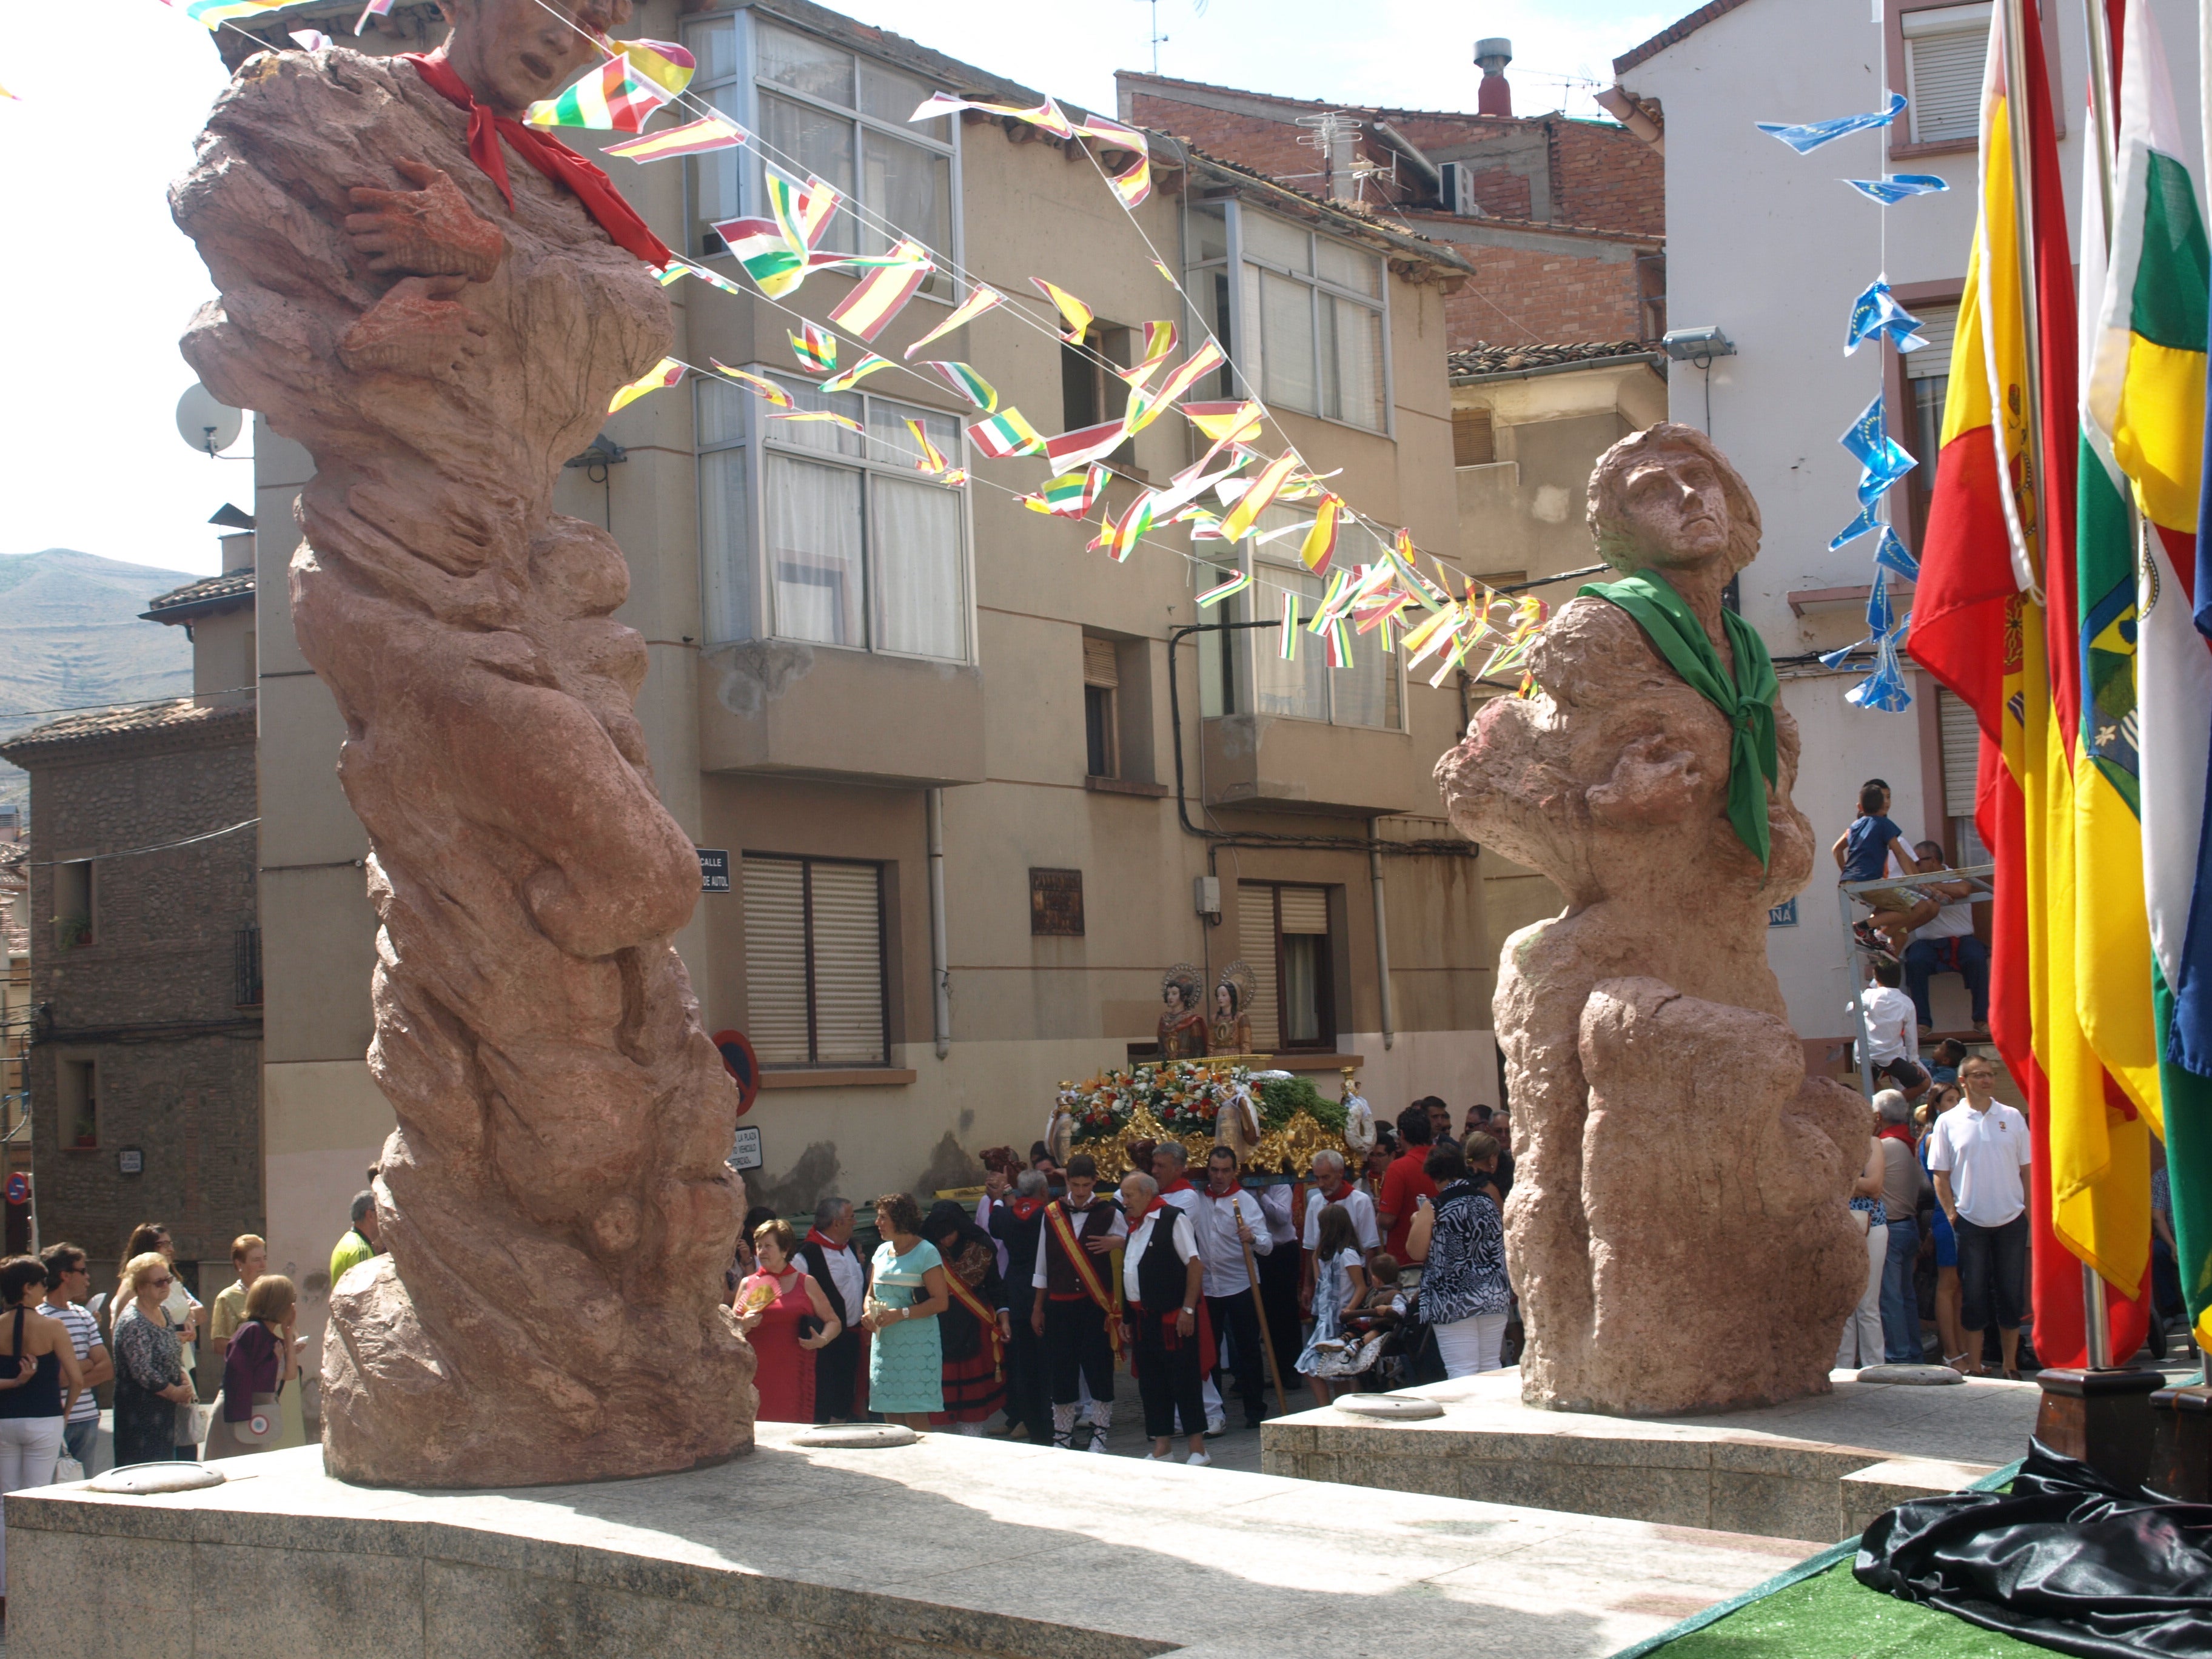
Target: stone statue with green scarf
column 1679, row 1223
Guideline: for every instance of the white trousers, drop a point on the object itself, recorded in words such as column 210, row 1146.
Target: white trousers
column 1862, row 1343
column 1472, row 1344
column 28, row 1448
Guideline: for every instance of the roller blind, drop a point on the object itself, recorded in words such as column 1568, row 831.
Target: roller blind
column 1945, row 49
column 1960, row 738
column 1305, row 909
column 1098, row 666
column 814, row 963
column 1255, row 940
column 775, row 961
column 1938, row 325
column 847, row 905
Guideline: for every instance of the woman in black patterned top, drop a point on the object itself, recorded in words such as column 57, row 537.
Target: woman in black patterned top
column 149, row 1371
column 1465, row 1296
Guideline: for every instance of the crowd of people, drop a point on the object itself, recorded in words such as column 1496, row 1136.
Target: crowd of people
column 1009, row 1320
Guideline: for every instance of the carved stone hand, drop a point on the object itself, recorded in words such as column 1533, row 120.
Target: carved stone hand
column 416, row 329
column 429, row 232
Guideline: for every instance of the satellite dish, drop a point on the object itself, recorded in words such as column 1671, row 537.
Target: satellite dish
column 206, row 425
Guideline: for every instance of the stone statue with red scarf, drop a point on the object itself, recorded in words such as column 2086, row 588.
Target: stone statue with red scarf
column 437, row 303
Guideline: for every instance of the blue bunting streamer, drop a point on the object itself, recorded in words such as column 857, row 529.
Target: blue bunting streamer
column 1896, row 187
column 1877, row 611
column 1885, row 461
column 1865, row 524
column 1813, row 133
column 1876, row 315
column 1889, row 554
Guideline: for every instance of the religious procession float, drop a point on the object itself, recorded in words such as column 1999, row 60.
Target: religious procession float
column 1207, row 1088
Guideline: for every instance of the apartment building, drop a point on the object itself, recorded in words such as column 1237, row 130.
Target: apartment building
column 977, row 785
column 144, row 1015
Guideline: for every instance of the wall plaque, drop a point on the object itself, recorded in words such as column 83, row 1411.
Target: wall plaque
column 1056, row 902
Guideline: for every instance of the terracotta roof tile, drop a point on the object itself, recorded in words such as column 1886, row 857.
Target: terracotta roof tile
column 1512, row 359
column 174, row 714
column 231, row 586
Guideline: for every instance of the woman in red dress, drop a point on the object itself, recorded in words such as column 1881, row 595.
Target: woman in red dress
column 784, row 1317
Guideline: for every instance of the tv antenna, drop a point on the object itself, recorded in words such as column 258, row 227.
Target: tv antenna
column 1156, row 39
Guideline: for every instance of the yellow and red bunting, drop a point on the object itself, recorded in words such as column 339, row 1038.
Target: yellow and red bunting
column 665, row 374
column 979, row 301
column 1076, row 314
column 1321, row 540
column 776, row 396
column 1256, row 500
column 701, row 137
column 882, row 293
column 829, row 416
column 609, row 98
column 853, row 376
column 1193, row 368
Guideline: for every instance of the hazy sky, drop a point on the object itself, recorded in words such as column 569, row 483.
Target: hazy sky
column 99, row 284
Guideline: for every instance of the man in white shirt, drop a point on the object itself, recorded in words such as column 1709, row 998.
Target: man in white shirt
column 1228, row 1220
column 1169, row 1169
column 1949, row 945
column 1893, row 1030
column 1074, row 1317
column 1980, row 1153
column 829, row 1255
column 1330, row 1187
column 1162, row 1279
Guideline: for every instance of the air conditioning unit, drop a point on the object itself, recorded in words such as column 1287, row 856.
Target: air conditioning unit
column 1456, row 190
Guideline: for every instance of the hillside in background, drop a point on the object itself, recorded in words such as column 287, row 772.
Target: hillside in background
column 69, row 636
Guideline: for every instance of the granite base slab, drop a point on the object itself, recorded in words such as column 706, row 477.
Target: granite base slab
column 1782, row 1471
column 948, row 1546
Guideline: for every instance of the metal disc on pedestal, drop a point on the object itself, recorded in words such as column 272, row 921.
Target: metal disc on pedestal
column 1391, row 1408
column 143, row 1479
column 857, row 1435
column 1911, row 1374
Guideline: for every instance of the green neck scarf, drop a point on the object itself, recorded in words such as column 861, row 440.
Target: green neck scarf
column 1677, row 635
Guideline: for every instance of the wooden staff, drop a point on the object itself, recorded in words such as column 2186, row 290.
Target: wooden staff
column 1259, row 1312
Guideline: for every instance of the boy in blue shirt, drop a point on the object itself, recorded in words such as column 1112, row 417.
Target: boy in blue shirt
column 1863, row 854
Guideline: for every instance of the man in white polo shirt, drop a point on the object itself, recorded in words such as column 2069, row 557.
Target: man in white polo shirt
column 1980, row 1153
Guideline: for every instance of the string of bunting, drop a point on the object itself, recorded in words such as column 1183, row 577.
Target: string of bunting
column 1883, row 462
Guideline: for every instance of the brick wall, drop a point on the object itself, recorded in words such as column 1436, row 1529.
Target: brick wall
column 1608, row 178
column 1558, row 297
column 164, row 935
column 1268, row 147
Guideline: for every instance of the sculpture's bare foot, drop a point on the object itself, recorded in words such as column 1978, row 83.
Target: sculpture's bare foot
column 430, row 232
column 416, row 329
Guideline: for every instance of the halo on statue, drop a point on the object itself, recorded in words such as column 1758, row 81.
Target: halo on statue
column 1240, row 979
column 1184, row 977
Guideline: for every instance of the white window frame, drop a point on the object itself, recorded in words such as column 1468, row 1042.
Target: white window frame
column 1250, row 342
column 745, row 85
column 759, row 437
column 1261, row 603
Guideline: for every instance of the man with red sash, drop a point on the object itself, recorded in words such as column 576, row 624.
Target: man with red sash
column 1075, row 1317
column 1161, row 1277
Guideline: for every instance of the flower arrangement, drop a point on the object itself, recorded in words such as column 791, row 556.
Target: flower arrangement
column 1183, row 1096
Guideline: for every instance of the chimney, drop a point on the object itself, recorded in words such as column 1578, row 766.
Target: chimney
column 1495, row 96
column 237, row 551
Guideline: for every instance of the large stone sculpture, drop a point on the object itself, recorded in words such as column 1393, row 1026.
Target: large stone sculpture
column 1678, row 1228
column 555, row 1198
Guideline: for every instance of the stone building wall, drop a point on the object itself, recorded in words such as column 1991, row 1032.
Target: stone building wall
column 152, row 1000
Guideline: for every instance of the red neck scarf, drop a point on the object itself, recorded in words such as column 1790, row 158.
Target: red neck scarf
column 1180, row 1184
column 550, row 157
column 1137, row 1217
column 816, row 1235
column 1023, row 1208
column 1896, row 1132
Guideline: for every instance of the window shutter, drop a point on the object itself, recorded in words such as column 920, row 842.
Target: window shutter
column 1474, row 443
column 775, row 961
column 1945, row 51
column 1938, row 325
column 1255, row 943
column 848, row 964
column 1959, row 738
column 1305, row 909
column 1098, row 665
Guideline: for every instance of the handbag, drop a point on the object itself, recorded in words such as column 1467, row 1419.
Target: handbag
column 194, row 1421
column 259, row 1427
column 67, row 1469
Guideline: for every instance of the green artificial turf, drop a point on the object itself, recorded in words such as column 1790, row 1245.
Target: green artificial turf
column 1831, row 1615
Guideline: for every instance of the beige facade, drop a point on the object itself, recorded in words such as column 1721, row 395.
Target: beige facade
column 822, row 718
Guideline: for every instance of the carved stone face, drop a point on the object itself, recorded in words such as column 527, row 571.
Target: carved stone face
column 513, row 52
column 1676, row 511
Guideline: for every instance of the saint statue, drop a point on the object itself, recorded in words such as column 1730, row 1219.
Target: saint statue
column 1237, row 1126
column 1060, row 1128
column 1182, row 1027
column 1358, row 1120
column 1231, row 1031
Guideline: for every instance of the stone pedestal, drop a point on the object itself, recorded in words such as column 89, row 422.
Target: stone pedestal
column 2181, row 1443
column 2102, row 1418
column 946, row 1547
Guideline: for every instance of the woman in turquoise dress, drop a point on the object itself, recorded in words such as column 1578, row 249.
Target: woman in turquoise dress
column 905, row 1359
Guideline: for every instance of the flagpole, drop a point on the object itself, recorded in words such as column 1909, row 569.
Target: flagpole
column 2096, row 1327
